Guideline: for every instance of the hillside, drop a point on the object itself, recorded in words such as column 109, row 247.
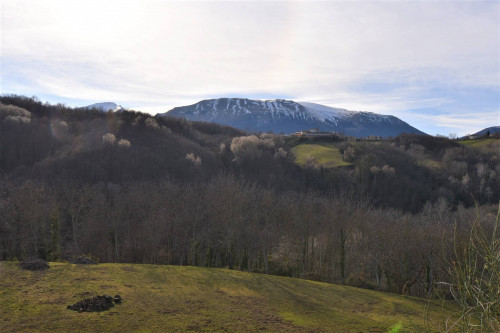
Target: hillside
column 285, row 116
column 491, row 145
column 132, row 188
column 492, row 130
column 57, row 142
column 189, row 299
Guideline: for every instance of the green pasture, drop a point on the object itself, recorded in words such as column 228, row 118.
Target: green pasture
column 326, row 155
column 192, row 299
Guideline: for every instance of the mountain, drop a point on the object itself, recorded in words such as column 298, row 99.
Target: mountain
column 492, row 130
column 285, row 116
column 105, row 106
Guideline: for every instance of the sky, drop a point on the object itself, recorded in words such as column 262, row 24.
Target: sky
column 433, row 64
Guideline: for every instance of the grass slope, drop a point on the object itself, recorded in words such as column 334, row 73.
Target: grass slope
column 490, row 144
column 326, row 155
column 191, row 299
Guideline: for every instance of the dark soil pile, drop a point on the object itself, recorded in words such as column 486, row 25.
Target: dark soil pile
column 83, row 260
column 34, row 264
column 95, row 304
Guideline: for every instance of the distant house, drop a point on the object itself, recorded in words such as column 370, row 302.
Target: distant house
column 314, row 132
column 474, row 137
column 320, row 134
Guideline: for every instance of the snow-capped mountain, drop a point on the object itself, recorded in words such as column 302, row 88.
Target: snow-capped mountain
column 105, row 107
column 285, row 116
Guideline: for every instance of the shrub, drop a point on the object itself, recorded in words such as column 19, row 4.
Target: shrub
column 34, row 264
column 83, row 260
column 476, row 279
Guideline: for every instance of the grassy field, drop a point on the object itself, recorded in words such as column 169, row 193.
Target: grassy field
column 191, row 299
column 488, row 144
column 326, row 155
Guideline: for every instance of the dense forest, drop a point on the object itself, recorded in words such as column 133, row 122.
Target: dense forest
column 130, row 187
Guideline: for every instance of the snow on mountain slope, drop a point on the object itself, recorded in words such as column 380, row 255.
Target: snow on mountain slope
column 105, row 107
column 285, row 116
column 325, row 112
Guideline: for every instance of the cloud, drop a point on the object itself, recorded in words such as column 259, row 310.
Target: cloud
column 376, row 56
column 466, row 122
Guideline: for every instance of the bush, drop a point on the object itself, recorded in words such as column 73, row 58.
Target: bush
column 94, row 304
column 34, row 264
column 83, row 260
column 476, row 280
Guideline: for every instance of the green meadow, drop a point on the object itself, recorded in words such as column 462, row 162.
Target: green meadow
column 326, row 155
column 192, row 299
column 490, row 144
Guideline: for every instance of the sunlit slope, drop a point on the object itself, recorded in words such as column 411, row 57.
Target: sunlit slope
column 490, row 144
column 190, row 299
column 326, row 155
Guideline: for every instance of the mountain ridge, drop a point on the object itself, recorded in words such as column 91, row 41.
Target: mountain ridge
column 492, row 130
column 287, row 116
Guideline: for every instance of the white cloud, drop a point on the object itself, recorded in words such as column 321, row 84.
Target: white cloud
column 466, row 121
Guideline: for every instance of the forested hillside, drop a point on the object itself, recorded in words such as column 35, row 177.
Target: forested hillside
column 130, row 187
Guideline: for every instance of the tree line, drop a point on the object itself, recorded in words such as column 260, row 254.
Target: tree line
column 235, row 223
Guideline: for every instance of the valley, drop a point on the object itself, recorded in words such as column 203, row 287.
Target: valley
column 371, row 220
column 250, row 166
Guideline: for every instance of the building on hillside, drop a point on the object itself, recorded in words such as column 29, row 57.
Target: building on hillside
column 314, row 132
